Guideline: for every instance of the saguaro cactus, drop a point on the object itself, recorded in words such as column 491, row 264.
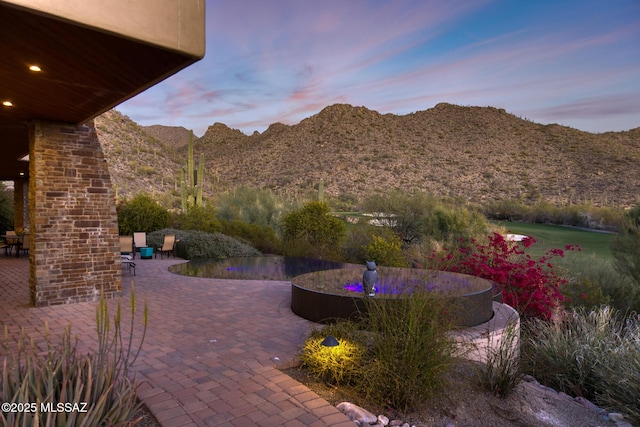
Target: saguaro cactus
column 192, row 181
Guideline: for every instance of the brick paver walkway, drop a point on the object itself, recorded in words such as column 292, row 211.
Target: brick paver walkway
column 212, row 348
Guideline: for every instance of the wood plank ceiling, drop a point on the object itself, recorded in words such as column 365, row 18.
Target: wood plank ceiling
column 84, row 73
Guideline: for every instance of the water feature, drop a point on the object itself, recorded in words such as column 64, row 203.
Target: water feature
column 256, row 268
column 327, row 295
column 325, row 290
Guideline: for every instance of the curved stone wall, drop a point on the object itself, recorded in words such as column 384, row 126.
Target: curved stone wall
column 318, row 296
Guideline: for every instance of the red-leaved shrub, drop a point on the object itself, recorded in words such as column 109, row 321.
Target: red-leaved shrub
column 528, row 285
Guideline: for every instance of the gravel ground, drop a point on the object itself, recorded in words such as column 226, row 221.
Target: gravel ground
column 464, row 403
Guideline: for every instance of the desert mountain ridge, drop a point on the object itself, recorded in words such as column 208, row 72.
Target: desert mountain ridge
column 477, row 154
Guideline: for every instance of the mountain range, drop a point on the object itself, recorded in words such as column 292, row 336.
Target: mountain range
column 478, row 154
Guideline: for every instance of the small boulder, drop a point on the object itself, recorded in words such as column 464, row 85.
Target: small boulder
column 586, row 403
column 384, row 421
column 356, row 413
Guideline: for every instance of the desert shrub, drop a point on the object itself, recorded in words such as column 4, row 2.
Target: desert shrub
column 411, row 351
column 141, row 213
column 341, row 365
column 252, row 205
column 343, row 202
column 419, row 216
column 358, row 237
column 592, row 281
column 261, row 237
column 544, row 213
column 581, row 215
column 312, row 231
column 623, row 293
column 625, row 247
column 155, row 238
column 612, row 218
column 147, row 170
column 202, row 218
column 407, row 214
column 448, row 223
column 505, row 210
column 199, row 244
column 102, row 379
column 170, row 198
column 385, row 250
column 583, row 292
column 6, row 209
column 594, row 354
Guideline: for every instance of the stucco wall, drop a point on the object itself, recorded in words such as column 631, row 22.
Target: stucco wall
column 174, row 24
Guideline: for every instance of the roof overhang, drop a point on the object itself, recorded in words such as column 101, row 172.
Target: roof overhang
column 93, row 55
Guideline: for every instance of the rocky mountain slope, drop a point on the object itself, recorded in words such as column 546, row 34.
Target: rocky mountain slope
column 137, row 161
column 174, row 136
column 475, row 153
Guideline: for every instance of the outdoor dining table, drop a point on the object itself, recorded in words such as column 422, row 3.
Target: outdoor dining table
column 18, row 239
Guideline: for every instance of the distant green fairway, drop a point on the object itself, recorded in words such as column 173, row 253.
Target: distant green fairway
column 556, row 236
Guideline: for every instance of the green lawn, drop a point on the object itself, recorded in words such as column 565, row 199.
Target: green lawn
column 555, row 236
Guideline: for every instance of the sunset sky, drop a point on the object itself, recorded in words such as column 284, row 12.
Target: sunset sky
column 576, row 63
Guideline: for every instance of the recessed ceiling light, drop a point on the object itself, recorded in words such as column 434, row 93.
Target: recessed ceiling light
column 35, row 68
column 7, row 103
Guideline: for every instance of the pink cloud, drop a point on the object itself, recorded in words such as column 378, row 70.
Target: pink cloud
column 286, row 60
column 596, row 106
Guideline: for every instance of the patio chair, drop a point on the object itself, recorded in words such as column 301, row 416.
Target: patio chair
column 13, row 243
column 139, row 240
column 25, row 246
column 4, row 245
column 127, row 253
column 168, row 246
column 127, row 261
column 126, row 246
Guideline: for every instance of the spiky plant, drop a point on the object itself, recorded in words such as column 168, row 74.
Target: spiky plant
column 98, row 386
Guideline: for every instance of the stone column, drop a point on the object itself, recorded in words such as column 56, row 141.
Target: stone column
column 74, row 227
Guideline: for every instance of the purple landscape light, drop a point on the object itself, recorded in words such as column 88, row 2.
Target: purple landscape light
column 354, row 287
column 383, row 288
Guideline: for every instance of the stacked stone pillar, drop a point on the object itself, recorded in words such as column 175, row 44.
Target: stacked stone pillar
column 74, row 229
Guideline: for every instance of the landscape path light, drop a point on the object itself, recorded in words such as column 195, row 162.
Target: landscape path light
column 330, row 341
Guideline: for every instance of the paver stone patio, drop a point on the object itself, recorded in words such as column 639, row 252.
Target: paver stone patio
column 212, row 348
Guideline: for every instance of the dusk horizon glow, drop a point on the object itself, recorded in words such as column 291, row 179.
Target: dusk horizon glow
column 575, row 63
